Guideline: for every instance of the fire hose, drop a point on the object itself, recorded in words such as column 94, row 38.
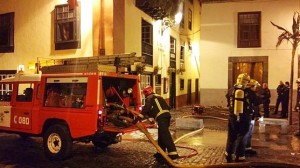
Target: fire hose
column 172, row 163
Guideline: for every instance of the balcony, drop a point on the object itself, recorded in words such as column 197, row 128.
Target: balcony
column 157, row 9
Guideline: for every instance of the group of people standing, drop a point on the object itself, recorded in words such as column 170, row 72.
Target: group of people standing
column 243, row 103
column 282, row 98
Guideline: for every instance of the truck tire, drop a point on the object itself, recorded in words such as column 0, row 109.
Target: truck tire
column 57, row 142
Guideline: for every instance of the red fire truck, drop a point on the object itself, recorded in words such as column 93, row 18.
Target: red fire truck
column 72, row 101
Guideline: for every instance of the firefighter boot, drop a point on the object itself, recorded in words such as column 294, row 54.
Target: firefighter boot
column 173, row 157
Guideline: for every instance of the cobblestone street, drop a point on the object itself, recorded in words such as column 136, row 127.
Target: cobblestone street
column 137, row 152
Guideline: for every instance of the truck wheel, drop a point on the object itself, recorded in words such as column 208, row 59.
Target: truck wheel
column 57, row 142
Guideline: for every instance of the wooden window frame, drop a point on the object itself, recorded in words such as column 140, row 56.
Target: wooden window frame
column 182, row 51
column 147, row 41
column 147, row 35
column 173, row 52
column 181, row 84
column 172, row 45
column 7, row 32
column 8, row 87
column 190, row 19
column 249, row 30
column 182, row 19
column 67, row 27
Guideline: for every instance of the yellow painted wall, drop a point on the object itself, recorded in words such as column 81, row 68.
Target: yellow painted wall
column 120, row 28
column 34, row 32
column 161, row 42
column 133, row 22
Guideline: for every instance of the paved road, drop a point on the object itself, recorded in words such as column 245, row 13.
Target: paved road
column 136, row 151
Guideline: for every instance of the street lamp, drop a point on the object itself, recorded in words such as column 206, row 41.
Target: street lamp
column 178, row 15
column 174, row 21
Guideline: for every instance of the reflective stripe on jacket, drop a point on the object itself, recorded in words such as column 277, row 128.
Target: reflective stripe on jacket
column 155, row 105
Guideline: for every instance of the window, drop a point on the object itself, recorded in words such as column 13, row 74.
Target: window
column 6, row 91
column 67, row 27
column 182, row 48
column 172, row 45
column 172, row 52
column 146, row 32
column 7, row 32
column 158, row 84
column 182, row 19
column 181, row 84
column 190, row 17
column 25, row 91
column 147, row 42
column 249, row 29
column 158, row 80
column 190, row 45
column 145, row 80
column 6, row 88
column 65, row 92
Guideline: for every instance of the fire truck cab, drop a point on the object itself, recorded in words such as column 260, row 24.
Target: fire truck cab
column 69, row 103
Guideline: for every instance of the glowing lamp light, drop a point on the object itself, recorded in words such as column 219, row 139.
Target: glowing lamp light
column 20, row 68
column 178, row 17
column 100, row 112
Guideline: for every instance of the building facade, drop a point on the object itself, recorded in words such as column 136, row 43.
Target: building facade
column 33, row 31
column 239, row 37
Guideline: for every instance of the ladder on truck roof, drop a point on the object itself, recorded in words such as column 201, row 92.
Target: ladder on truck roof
column 107, row 63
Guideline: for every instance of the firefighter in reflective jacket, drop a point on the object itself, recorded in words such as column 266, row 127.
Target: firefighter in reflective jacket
column 157, row 108
column 239, row 119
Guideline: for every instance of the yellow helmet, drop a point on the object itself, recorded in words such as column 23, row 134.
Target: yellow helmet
column 253, row 83
column 243, row 79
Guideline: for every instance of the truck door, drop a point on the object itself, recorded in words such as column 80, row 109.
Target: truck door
column 22, row 106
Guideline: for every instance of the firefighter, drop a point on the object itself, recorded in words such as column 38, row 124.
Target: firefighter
column 285, row 100
column 239, row 119
column 279, row 89
column 157, row 108
column 266, row 95
column 254, row 105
